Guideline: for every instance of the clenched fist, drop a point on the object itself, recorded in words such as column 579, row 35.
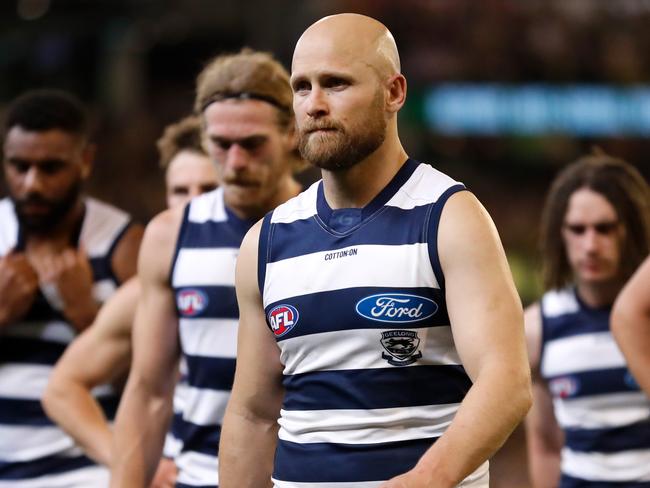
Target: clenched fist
column 67, row 278
column 18, row 287
column 166, row 473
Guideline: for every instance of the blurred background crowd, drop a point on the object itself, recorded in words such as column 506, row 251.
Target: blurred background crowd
column 502, row 93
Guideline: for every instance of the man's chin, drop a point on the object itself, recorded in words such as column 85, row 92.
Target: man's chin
column 38, row 225
column 330, row 163
column 598, row 278
column 231, row 189
column 241, row 196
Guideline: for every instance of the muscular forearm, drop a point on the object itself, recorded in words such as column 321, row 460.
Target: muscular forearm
column 544, row 464
column 142, row 420
column 76, row 411
column 246, row 451
column 496, row 403
column 631, row 328
column 80, row 317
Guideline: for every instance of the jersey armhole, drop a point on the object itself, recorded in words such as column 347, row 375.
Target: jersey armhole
column 263, row 250
column 542, row 337
column 432, row 227
column 109, row 255
column 179, row 240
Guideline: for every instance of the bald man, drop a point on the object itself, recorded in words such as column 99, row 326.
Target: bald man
column 378, row 318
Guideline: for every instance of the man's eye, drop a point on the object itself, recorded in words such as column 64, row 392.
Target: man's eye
column 576, row 229
column 605, row 228
column 336, row 83
column 252, row 144
column 301, row 87
column 19, row 166
column 51, row 167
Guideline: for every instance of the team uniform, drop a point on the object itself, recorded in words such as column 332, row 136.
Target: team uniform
column 173, row 438
column 34, row 452
column 604, row 415
column 203, row 280
column 356, row 301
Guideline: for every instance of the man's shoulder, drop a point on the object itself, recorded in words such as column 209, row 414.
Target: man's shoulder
column 6, row 210
column 426, row 185
column 207, row 207
column 555, row 303
column 300, row 207
column 8, row 226
column 166, row 224
column 96, row 207
column 103, row 225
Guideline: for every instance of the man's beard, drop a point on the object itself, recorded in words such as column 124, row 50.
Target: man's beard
column 47, row 221
column 339, row 148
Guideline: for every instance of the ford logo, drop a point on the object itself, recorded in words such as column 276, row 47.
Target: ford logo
column 396, row 307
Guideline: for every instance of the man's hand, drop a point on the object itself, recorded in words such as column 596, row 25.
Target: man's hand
column 403, row 481
column 18, row 287
column 69, row 274
column 415, row 478
column 166, row 473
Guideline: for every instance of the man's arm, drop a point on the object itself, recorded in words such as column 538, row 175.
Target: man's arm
column 631, row 325
column 544, row 439
column 125, row 256
column 70, row 275
column 18, row 287
column 100, row 355
column 145, row 410
column 487, row 324
column 543, row 435
column 249, row 433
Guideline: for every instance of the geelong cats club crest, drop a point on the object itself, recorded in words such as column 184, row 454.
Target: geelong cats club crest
column 401, row 346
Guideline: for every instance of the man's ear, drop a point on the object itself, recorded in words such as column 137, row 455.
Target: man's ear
column 396, row 93
column 88, row 159
column 291, row 137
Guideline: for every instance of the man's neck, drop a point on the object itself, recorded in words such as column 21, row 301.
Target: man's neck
column 356, row 186
column 60, row 236
column 289, row 188
column 597, row 295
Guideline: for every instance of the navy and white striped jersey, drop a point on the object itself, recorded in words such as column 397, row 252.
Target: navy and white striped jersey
column 34, row 452
column 173, row 438
column 355, row 299
column 203, row 279
column 604, row 415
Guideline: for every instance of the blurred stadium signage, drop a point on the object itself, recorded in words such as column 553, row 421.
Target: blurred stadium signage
column 582, row 110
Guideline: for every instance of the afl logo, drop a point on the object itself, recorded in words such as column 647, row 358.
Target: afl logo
column 396, row 307
column 564, row 387
column 191, row 302
column 282, row 318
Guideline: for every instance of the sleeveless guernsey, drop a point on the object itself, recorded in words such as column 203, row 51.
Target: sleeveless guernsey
column 203, row 279
column 604, row 415
column 34, row 452
column 355, row 299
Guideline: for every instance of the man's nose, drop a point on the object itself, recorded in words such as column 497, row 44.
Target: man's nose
column 33, row 181
column 237, row 157
column 591, row 239
column 317, row 103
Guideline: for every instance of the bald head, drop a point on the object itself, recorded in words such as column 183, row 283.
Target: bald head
column 350, row 38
